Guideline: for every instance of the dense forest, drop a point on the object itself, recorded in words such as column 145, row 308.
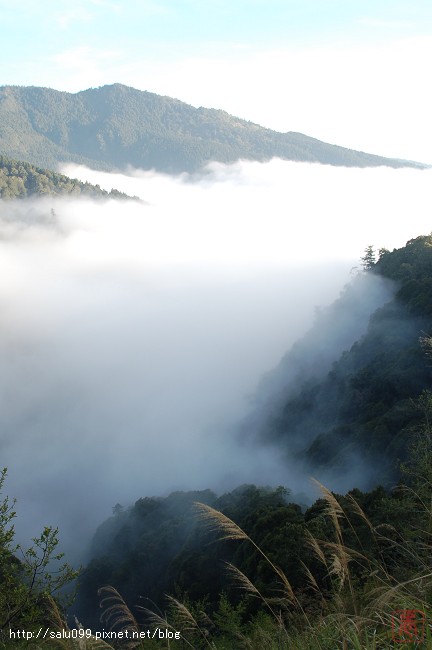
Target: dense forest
column 20, row 180
column 115, row 126
column 356, row 409
column 252, row 568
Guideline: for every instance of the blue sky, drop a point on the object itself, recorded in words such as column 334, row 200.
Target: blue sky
column 352, row 72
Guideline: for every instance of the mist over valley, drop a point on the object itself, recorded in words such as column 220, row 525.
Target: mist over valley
column 134, row 335
column 215, row 346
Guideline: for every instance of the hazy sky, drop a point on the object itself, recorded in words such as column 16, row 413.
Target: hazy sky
column 351, row 72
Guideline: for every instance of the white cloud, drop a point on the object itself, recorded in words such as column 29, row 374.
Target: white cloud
column 82, row 64
column 386, row 24
column 68, row 17
column 251, row 212
column 372, row 97
column 131, row 334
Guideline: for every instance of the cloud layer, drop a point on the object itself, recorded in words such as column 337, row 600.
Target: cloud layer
column 132, row 333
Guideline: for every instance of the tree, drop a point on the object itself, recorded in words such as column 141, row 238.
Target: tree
column 369, row 258
column 28, row 578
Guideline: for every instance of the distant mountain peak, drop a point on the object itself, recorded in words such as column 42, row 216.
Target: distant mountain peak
column 114, row 126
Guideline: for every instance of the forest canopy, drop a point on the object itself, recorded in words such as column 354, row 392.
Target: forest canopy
column 19, row 180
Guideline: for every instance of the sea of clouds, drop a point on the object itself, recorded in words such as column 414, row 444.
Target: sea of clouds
column 133, row 333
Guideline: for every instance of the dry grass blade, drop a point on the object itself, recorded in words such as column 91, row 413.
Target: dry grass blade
column 157, row 620
column 334, row 509
column 185, row 616
column 240, row 580
column 58, row 624
column 52, row 612
column 116, row 614
column 316, row 548
column 387, row 595
column 90, row 643
column 187, row 619
column 346, row 554
column 311, row 578
column 54, row 619
column 153, row 618
column 359, row 510
column 338, row 569
column 287, row 589
column 216, row 521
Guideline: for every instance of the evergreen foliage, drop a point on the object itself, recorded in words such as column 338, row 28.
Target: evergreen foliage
column 361, row 409
column 20, row 180
column 331, row 576
column 369, row 258
column 250, row 568
column 329, row 573
column 115, row 126
column 28, row 577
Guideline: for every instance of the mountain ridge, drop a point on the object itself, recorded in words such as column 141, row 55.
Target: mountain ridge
column 20, row 180
column 114, row 126
column 361, row 404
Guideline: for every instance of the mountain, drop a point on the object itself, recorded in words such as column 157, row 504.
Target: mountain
column 352, row 397
column 251, row 568
column 115, row 126
column 20, row 180
column 347, row 409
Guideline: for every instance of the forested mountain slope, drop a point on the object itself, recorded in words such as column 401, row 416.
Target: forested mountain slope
column 249, row 568
column 223, row 584
column 353, row 418
column 20, row 180
column 368, row 410
column 115, row 126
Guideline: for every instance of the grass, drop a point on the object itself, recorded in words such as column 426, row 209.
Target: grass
column 353, row 614
column 359, row 576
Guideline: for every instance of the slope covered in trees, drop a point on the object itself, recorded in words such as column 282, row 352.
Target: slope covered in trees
column 366, row 412
column 250, row 568
column 30, row 578
column 19, row 180
column 115, row 126
column 352, row 417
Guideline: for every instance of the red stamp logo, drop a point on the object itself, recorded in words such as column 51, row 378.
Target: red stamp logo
column 408, row 625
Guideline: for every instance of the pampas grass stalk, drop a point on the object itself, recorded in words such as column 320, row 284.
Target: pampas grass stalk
column 227, row 529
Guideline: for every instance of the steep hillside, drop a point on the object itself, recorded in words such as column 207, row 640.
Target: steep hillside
column 19, row 180
column 354, row 418
column 172, row 545
column 115, row 126
column 351, row 399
